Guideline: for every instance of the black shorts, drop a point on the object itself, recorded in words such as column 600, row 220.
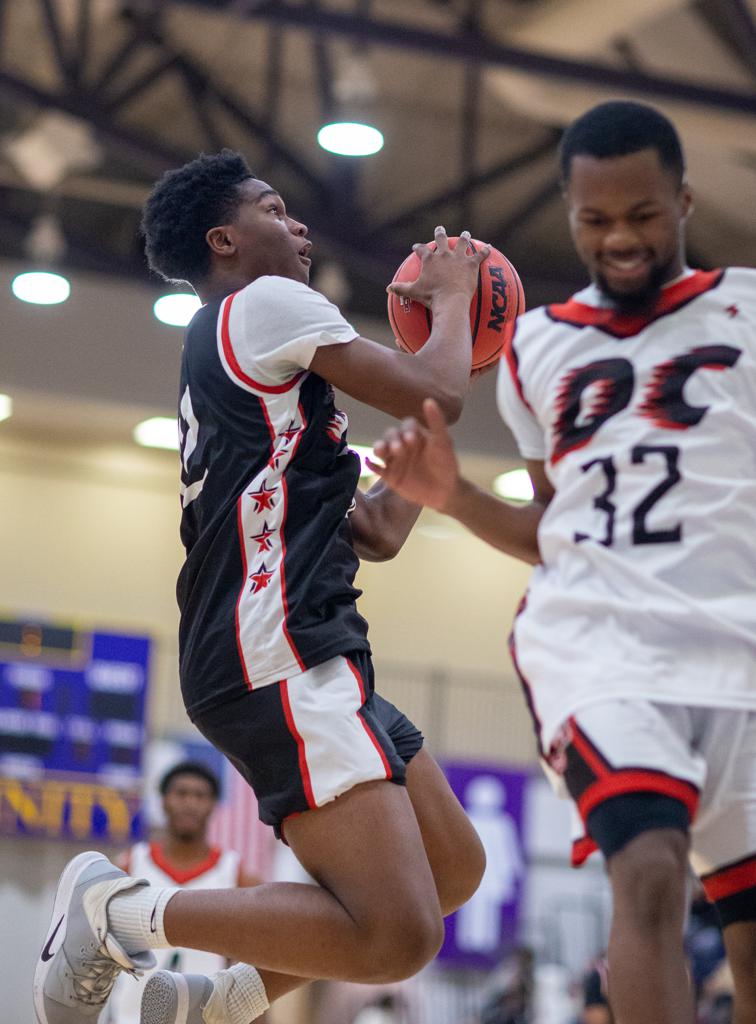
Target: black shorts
column 305, row 740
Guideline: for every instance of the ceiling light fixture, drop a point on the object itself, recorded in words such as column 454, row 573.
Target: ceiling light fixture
column 515, row 485
column 349, row 138
column 41, row 288
column 176, row 309
column 348, row 130
column 6, row 407
column 157, row 432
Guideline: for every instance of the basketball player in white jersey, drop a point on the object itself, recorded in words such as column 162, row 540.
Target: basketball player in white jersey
column 184, row 857
column 634, row 405
column 274, row 658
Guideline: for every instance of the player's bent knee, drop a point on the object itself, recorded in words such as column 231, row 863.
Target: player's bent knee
column 401, row 949
column 465, row 873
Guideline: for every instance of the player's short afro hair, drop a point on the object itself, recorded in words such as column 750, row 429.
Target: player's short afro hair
column 182, row 208
column 195, row 768
column 618, row 128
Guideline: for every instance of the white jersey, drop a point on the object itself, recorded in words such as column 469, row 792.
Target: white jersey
column 647, row 428
column 146, row 860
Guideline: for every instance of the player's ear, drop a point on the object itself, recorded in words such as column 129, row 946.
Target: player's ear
column 686, row 199
column 221, row 241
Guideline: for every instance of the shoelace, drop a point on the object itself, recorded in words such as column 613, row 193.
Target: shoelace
column 95, row 978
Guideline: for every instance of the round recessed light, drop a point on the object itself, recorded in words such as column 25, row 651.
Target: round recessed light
column 515, row 485
column 6, row 407
column 157, row 432
column 41, row 288
column 176, row 309
column 348, row 138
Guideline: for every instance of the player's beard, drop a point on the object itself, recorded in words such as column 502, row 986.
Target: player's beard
column 641, row 300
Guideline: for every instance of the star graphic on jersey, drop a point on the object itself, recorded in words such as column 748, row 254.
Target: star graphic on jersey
column 732, row 310
column 260, row 579
column 262, row 539
column 263, row 498
column 290, row 432
column 275, row 459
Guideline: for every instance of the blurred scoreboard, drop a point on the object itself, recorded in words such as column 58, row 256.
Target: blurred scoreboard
column 72, row 705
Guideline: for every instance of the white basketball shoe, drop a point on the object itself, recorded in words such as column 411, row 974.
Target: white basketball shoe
column 80, row 959
column 170, row 998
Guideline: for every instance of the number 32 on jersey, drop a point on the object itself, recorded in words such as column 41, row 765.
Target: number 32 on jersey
column 663, row 402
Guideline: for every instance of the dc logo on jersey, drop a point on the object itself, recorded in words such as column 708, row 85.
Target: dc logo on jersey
column 337, row 425
column 590, row 395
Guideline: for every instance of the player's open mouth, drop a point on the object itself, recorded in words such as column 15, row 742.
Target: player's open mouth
column 626, row 266
column 306, row 260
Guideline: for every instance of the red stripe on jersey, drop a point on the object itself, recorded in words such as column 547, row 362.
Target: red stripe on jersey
column 730, row 880
column 285, row 490
column 243, row 550
column 514, row 368
column 625, row 325
column 581, row 850
column 526, row 687
column 233, row 362
column 304, row 771
column 589, row 752
column 183, row 875
column 373, row 738
column 637, row 780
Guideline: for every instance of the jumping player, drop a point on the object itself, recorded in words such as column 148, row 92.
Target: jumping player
column 274, row 658
column 634, row 405
column 182, row 856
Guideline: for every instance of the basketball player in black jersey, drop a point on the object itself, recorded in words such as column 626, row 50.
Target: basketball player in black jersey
column 275, row 662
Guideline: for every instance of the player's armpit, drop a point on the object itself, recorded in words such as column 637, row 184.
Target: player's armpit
column 543, row 491
column 392, row 381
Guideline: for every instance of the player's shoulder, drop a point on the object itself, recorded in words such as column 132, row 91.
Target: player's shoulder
column 741, row 280
column 273, row 290
column 531, row 322
column 534, row 327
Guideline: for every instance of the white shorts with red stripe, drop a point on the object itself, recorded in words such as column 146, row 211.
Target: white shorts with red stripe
column 703, row 758
column 307, row 739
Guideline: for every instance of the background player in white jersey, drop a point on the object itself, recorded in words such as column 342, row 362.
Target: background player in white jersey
column 635, row 406
column 181, row 856
column 274, row 658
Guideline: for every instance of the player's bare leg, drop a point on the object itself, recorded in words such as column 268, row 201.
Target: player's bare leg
column 740, row 943
column 376, row 918
column 647, row 972
column 454, row 851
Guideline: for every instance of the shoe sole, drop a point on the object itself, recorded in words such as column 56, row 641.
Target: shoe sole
column 168, row 999
column 68, row 880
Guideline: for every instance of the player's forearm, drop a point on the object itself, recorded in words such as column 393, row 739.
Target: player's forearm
column 443, row 364
column 381, row 523
column 512, row 529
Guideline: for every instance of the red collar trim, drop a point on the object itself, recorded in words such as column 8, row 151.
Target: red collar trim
column 183, row 875
column 622, row 325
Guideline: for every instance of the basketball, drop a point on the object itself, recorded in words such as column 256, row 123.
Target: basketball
column 497, row 303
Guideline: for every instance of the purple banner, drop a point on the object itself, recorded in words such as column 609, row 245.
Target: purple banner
column 485, row 929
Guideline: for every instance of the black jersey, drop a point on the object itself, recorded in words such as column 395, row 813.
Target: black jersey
column 267, row 484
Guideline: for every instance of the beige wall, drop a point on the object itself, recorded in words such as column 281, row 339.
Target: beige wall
column 89, row 534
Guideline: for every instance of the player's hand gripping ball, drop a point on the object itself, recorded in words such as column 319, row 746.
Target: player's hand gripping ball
column 498, row 301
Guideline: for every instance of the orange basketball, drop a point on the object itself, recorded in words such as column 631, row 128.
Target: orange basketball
column 498, row 301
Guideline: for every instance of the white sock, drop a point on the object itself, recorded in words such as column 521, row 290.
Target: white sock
column 136, row 918
column 246, row 999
